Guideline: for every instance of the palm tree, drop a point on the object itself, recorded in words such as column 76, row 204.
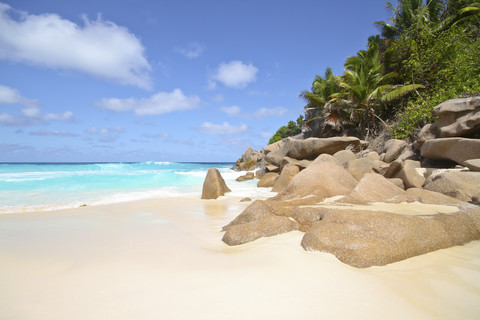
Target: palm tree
column 365, row 88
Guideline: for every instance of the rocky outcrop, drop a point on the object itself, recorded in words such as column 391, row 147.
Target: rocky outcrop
column 393, row 148
column 322, row 179
column 359, row 167
column 309, row 149
column 268, row 180
column 409, row 174
column 473, row 164
column 372, row 238
column 455, row 149
column 245, row 177
column 462, row 185
column 249, row 160
column 457, row 118
column 373, row 188
column 343, row 156
column 214, row 186
column 288, row 172
column 260, row 219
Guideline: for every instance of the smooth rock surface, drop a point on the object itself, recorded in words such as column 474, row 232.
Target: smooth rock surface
column 268, row 180
column 214, row 186
column 373, row 188
column 288, row 172
column 457, row 118
column 359, row 167
column 371, row 238
column 462, row 185
column 392, row 149
column 455, row 149
column 409, row 174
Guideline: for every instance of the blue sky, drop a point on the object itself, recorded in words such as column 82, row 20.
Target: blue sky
column 144, row 80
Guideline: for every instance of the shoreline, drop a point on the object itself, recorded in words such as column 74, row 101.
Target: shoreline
column 164, row 258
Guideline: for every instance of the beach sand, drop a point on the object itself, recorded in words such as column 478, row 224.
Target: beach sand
column 164, row 259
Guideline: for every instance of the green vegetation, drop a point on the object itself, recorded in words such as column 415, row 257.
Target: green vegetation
column 289, row 130
column 428, row 52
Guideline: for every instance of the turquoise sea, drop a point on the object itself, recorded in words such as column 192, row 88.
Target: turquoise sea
column 48, row 186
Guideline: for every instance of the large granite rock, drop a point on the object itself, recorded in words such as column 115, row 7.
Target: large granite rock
column 288, row 172
column 309, row 148
column 214, row 186
column 393, row 148
column 409, row 174
column 313, row 147
column 462, row 185
column 249, row 160
column 322, row 179
column 370, row 238
column 455, row 149
column 373, row 188
column 268, row 180
column 245, row 177
column 344, row 156
column 457, row 118
column 359, row 167
column 260, row 219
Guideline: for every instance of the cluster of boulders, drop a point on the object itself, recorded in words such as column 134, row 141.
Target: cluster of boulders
column 441, row 167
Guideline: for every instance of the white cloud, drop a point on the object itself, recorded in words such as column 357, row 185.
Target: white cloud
column 270, row 112
column 12, row 96
column 99, row 48
column 232, row 111
column 222, row 129
column 160, row 103
column 106, row 135
column 31, row 113
column 193, row 50
column 54, row 133
column 234, row 74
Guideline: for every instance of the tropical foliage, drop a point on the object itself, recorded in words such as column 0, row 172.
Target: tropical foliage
column 426, row 53
column 289, row 130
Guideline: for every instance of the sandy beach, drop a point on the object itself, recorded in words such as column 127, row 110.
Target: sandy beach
column 164, row 259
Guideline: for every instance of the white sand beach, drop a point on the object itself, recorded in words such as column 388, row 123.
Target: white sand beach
column 164, row 259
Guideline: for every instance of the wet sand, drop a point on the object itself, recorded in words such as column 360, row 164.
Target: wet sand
column 164, row 259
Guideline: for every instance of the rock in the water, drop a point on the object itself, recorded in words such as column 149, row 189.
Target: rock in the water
column 245, row 200
column 373, row 188
column 455, row 149
column 245, row 177
column 288, row 172
column 370, row 238
column 322, row 179
column 268, row 180
column 457, row 118
column 249, row 160
column 462, row 185
column 392, row 149
column 214, row 186
column 359, row 167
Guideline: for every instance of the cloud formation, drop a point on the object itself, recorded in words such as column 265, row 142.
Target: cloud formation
column 193, row 50
column 157, row 104
column 234, row 74
column 99, row 48
column 55, row 133
column 232, row 111
column 222, row 129
column 106, row 135
column 30, row 111
column 235, row 111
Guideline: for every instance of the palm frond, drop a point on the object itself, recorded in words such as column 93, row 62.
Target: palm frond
column 400, row 91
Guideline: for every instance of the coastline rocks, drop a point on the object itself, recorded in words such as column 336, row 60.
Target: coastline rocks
column 462, row 185
column 214, row 186
column 313, row 147
column 359, row 167
column 343, row 156
column 473, row 164
column 268, row 180
column 287, row 174
column 457, row 118
column 393, row 148
column 370, row 238
column 245, row 177
column 308, row 149
column 373, row 188
column 322, row 179
column 455, row 149
column 409, row 175
column 249, row 160
column 260, row 219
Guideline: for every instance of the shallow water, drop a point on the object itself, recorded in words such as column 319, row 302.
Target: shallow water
column 51, row 186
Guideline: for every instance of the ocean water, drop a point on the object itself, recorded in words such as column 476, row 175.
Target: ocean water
column 50, row 186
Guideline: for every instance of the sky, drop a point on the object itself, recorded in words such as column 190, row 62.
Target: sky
column 176, row 80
